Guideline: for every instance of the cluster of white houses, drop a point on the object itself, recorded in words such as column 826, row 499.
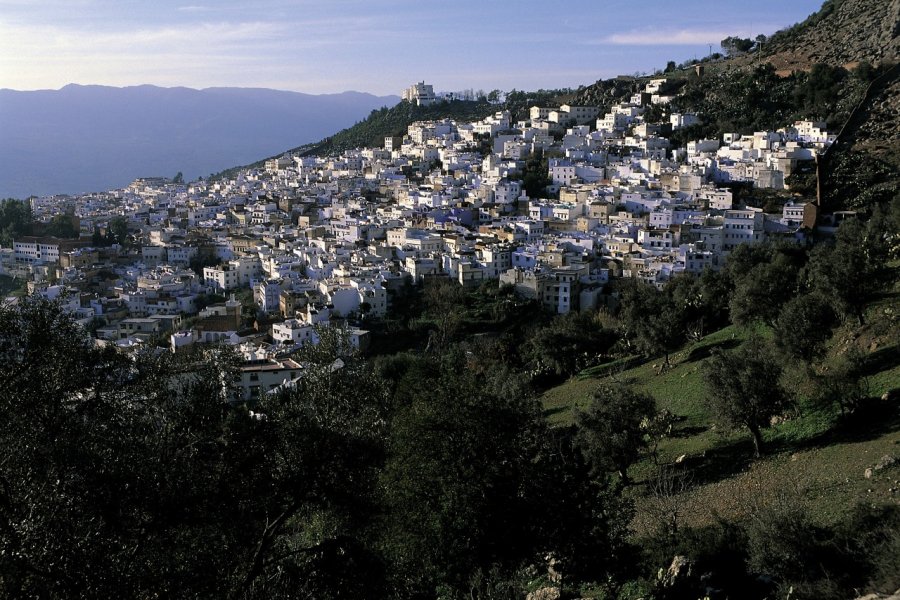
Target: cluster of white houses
column 320, row 239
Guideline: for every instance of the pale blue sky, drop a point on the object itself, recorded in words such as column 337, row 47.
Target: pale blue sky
column 377, row 46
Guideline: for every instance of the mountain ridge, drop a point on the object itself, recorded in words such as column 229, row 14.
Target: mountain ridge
column 84, row 138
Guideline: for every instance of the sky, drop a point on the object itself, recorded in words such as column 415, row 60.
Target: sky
column 376, row 46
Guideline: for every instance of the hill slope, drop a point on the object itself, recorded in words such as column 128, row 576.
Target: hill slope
column 837, row 66
column 816, row 450
column 91, row 138
column 841, row 33
column 371, row 131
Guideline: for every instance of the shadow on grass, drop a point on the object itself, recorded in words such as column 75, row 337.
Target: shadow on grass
column 706, row 351
column 882, row 359
column 732, row 456
column 870, row 421
column 549, row 412
column 722, row 461
column 686, row 432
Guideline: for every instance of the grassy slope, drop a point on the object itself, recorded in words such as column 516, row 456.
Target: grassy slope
column 815, row 453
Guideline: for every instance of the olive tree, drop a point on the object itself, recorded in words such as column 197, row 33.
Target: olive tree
column 744, row 388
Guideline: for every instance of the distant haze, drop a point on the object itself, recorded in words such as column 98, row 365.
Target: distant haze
column 94, row 138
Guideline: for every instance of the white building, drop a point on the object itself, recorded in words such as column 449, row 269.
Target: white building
column 420, row 93
column 743, row 226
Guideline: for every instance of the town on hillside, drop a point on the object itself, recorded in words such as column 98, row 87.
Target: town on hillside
column 313, row 240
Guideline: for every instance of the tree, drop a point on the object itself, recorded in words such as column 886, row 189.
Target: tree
column 62, row 226
column 733, row 45
column 118, row 229
column 567, row 344
column 205, row 257
column 851, row 270
column 535, row 176
column 760, row 295
column 744, row 387
column 804, row 325
column 459, row 462
column 444, row 305
column 818, row 92
column 128, row 476
column 842, row 382
column 324, row 446
column 666, row 503
column 652, row 320
column 715, row 294
column 15, row 221
column 610, row 432
column 110, row 465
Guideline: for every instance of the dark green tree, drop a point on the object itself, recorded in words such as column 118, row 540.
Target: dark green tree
column 733, row 45
column 849, row 271
column 15, row 221
column 744, row 388
column 325, row 437
column 567, row 344
column 536, row 174
column 818, row 92
column 610, row 433
column 62, row 226
column 115, row 471
column 715, row 294
column 652, row 320
column 460, row 462
column 118, row 230
column 804, row 325
column 138, row 476
column 761, row 293
column 444, row 307
column 842, row 382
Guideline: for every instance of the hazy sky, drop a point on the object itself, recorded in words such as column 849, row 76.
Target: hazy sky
column 377, row 46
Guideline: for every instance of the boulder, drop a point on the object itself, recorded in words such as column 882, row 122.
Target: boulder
column 554, row 569
column 545, row 593
column 894, row 596
column 678, row 572
column 886, row 461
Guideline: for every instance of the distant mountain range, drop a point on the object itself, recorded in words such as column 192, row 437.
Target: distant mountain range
column 94, row 138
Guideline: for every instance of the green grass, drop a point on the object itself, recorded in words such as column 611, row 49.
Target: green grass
column 679, row 389
column 610, row 368
column 815, row 450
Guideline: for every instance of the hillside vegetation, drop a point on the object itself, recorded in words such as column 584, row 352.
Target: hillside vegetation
column 433, row 470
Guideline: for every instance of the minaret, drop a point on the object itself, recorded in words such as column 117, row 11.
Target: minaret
column 233, row 310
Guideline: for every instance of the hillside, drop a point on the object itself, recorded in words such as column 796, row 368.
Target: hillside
column 394, row 121
column 380, row 123
column 94, row 138
column 841, row 33
column 817, row 460
column 835, row 66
